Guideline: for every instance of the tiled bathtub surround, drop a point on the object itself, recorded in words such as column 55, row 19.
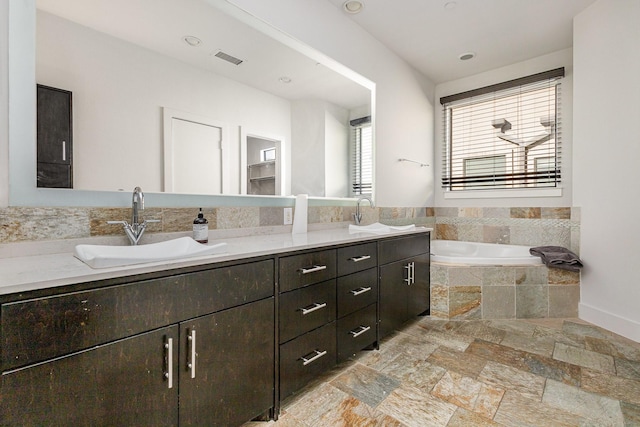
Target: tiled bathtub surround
column 39, row 224
column 534, row 226
column 503, row 292
column 506, row 292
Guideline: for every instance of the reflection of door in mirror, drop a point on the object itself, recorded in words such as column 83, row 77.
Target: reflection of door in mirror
column 194, row 154
column 263, row 166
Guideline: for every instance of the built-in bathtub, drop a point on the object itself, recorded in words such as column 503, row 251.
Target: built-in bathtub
column 474, row 253
column 494, row 281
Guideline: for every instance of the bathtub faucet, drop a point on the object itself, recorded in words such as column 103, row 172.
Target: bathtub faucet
column 357, row 217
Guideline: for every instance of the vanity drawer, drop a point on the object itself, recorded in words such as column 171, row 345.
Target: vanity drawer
column 398, row 248
column 307, row 308
column 356, row 291
column 297, row 271
column 39, row 329
column 356, row 331
column 306, row 357
column 357, row 258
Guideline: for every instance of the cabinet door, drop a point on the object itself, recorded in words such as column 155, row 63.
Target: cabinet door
column 393, row 296
column 122, row 383
column 419, row 290
column 227, row 372
column 404, row 292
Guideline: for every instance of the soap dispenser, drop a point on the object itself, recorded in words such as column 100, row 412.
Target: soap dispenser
column 201, row 228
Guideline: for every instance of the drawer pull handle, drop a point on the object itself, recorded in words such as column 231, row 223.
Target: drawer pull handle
column 312, row 357
column 313, row 269
column 361, row 330
column 360, row 291
column 313, row 307
column 360, row 258
column 168, row 361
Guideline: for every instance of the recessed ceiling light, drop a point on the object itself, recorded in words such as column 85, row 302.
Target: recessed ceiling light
column 192, row 41
column 450, row 5
column 284, row 79
column 467, row 56
column 353, row 6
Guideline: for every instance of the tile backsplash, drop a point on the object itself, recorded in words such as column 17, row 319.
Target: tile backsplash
column 525, row 226
column 25, row 224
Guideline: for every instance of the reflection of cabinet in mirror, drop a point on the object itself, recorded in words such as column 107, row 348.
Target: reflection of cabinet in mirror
column 264, row 165
column 55, row 133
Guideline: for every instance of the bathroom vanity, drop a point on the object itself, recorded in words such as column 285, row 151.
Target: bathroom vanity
column 216, row 340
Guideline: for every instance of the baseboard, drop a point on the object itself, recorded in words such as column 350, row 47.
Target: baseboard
column 626, row 327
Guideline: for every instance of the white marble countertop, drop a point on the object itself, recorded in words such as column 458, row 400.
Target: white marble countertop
column 28, row 273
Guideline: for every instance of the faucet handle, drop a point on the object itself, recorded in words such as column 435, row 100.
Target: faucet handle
column 117, row 222
column 150, row 220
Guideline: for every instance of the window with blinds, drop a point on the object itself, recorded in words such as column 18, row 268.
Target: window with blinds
column 361, row 156
column 504, row 136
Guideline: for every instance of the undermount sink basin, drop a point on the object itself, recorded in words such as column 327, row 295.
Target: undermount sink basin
column 103, row 256
column 378, row 228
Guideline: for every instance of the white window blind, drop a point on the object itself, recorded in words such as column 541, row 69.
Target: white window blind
column 361, row 156
column 505, row 136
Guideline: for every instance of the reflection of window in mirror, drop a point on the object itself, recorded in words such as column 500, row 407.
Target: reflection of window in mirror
column 268, row 154
column 361, row 141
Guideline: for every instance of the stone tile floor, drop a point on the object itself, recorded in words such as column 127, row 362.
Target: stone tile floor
column 542, row 372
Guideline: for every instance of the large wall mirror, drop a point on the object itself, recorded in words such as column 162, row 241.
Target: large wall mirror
column 164, row 89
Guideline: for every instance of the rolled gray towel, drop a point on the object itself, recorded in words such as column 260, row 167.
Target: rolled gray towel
column 557, row 257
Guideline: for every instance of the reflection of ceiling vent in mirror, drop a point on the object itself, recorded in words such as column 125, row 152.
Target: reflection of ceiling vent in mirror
column 235, row 61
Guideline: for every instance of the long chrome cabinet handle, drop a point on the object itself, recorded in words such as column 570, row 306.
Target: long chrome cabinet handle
column 360, row 258
column 313, row 307
column 313, row 269
column 312, row 357
column 360, row 291
column 361, row 330
column 413, row 273
column 191, row 359
column 168, row 361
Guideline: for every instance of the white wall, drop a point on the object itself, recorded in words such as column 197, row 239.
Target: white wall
column 544, row 63
column 336, row 153
column 4, row 107
column 606, row 154
column 403, row 107
column 119, row 90
column 307, row 152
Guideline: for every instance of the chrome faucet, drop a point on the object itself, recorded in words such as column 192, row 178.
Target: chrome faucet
column 135, row 230
column 357, row 217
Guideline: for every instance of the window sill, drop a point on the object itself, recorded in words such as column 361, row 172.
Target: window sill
column 503, row 194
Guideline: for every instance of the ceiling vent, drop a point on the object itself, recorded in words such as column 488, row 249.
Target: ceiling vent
column 235, row 61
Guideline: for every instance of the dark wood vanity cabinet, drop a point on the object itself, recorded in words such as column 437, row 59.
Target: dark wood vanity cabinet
column 357, row 299
column 327, row 310
column 404, row 280
column 208, row 343
column 307, row 314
